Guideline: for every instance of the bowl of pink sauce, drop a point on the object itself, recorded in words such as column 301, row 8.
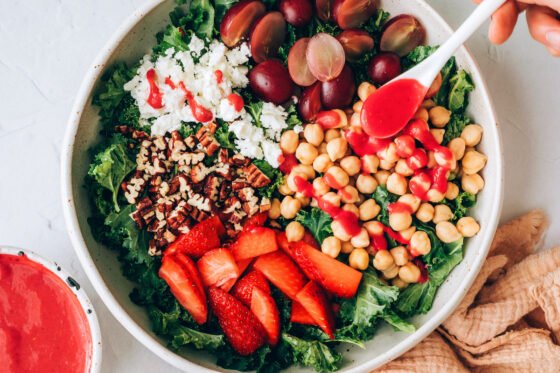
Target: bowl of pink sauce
column 47, row 322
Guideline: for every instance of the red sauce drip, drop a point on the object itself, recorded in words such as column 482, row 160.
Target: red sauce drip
column 424, row 276
column 42, row 325
column 200, row 113
column 421, row 132
column 287, row 163
column 331, row 181
column 395, row 236
column 379, row 242
column 155, row 98
column 170, row 83
column 219, row 76
column 363, row 144
column 439, row 179
column 236, row 101
column 397, row 207
column 328, row 119
column 387, row 111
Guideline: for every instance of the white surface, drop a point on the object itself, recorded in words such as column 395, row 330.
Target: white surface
column 47, row 45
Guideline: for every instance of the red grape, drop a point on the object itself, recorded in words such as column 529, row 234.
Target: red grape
column 355, row 42
column 297, row 12
column 402, row 34
column 325, row 57
column 353, row 13
column 384, row 67
column 310, row 102
column 267, row 36
column 297, row 64
column 238, row 21
column 339, row 92
column 324, row 9
column 271, row 81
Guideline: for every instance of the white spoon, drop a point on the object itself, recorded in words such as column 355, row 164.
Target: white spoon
column 387, row 111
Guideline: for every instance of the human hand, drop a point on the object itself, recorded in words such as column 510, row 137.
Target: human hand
column 543, row 19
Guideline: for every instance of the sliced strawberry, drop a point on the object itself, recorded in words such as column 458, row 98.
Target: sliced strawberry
column 243, row 290
column 218, row 268
column 184, row 283
column 336, row 277
column 264, row 307
column 253, row 242
column 300, row 316
column 202, row 238
column 279, row 269
column 192, row 269
column 313, row 299
column 257, row 220
column 241, row 327
column 283, row 244
column 287, row 162
column 310, row 240
column 243, row 265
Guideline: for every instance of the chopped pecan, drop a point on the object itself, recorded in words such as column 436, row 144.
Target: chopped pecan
column 223, row 156
column 239, row 160
column 199, row 173
column 255, row 176
column 225, row 171
column 211, row 188
column 190, row 142
column 239, row 184
column 225, row 188
column 199, row 215
column 205, row 136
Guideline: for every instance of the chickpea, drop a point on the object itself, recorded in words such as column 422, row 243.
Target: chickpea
column 472, row 134
column 365, row 89
column 366, row 184
column 447, row 232
column 336, row 177
column 452, row 191
column 435, row 196
column 473, row 162
column 274, row 212
column 410, row 273
column 285, row 190
column 349, row 194
column 322, row 148
column 399, row 221
column 289, row 142
column 370, row 163
column 382, row 176
column 420, row 243
column 428, row 104
column 457, row 147
column 391, row 272
column 307, row 170
column 291, row 179
column 355, row 120
column 468, row 227
column 332, row 199
column 290, row 207
column 322, row 163
column 397, row 184
column 400, row 255
column 331, row 246
column 399, row 283
column 361, row 239
column 369, row 210
column 442, row 213
column 305, row 201
column 357, row 107
column 347, row 248
column 389, row 154
column 331, row 134
column 411, row 200
column 384, row 165
column 403, row 168
column 339, row 231
column 407, row 233
column 425, row 212
column 294, row 232
column 374, row 228
column 383, row 260
column 337, row 148
column 350, row 207
column 439, row 116
column 438, row 134
column 306, row 153
column 351, row 165
column 314, row 135
column 359, row 259
column 422, row 113
column 320, row 186
column 472, row 183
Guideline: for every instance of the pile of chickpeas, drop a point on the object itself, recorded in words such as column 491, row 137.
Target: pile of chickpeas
column 347, row 181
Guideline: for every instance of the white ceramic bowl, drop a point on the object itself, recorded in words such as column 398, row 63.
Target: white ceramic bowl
column 130, row 43
column 78, row 291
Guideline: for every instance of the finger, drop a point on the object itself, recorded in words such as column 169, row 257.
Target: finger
column 554, row 4
column 503, row 22
column 553, row 52
column 544, row 26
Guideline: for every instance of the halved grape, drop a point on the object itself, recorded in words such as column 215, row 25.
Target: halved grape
column 353, row 13
column 325, row 57
column 271, row 81
column 355, row 42
column 384, row 67
column 238, row 21
column 297, row 12
column 297, row 64
column 324, row 9
column 339, row 92
column 267, row 36
column 402, row 34
column 310, row 102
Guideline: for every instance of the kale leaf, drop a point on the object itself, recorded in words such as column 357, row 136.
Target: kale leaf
column 172, row 37
column 225, row 137
column 384, row 198
column 317, row 222
column 134, row 240
column 455, row 127
column 111, row 93
column 461, row 85
column 276, row 178
column 417, row 55
column 183, row 336
column 312, row 354
column 461, row 205
column 450, row 68
column 198, row 17
column 229, row 359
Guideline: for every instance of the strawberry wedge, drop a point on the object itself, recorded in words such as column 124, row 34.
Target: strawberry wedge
column 336, row 277
column 253, row 242
column 243, row 290
column 279, row 269
column 264, row 307
column 218, row 268
column 203, row 237
column 313, row 298
column 300, row 316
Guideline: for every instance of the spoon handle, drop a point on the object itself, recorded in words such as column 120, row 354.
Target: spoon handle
column 426, row 72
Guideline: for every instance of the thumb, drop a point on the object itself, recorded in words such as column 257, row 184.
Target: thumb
column 544, row 27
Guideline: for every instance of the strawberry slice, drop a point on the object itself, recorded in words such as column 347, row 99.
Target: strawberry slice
column 310, row 240
column 279, row 269
column 202, row 238
column 243, row 290
column 185, row 284
column 243, row 265
column 218, row 268
column 264, row 307
column 300, row 316
column 241, row 327
column 283, row 244
column 336, row 277
column 257, row 220
column 313, row 299
column 255, row 241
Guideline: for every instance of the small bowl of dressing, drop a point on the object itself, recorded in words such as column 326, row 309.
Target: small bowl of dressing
column 47, row 322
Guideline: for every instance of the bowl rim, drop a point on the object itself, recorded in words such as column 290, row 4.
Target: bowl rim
column 149, row 340
column 87, row 307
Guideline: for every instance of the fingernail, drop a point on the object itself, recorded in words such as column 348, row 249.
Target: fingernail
column 553, row 39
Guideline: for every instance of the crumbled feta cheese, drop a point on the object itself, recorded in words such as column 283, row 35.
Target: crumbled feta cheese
column 227, row 111
column 196, row 45
column 298, row 129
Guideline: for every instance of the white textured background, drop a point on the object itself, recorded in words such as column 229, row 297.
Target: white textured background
column 47, row 45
